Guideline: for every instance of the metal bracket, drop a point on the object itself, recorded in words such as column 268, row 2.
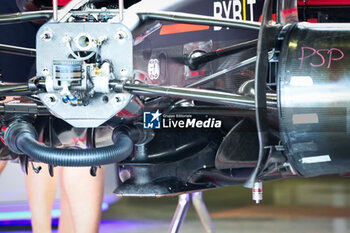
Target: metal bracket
column 182, row 208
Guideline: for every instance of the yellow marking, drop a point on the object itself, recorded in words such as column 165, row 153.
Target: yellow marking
column 293, row 44
column 23, row 89
column 245, row 10
column 98, row 72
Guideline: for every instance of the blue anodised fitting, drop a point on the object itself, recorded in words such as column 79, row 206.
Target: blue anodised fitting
column 65, row 99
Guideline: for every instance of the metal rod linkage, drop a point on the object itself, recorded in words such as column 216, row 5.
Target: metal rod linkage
column 25, row 17
column 197, row 19
column 55, row 10
column 195, row 61
column 24, row 108
column 218, row 74
column 17, row 50
column 7, row 89
column 209, row 96
column 121, row 10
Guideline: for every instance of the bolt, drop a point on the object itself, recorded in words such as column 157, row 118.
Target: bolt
column 51, row 99
column 45, row 71
column 105, row 99
column 66, row 39
column 118, row 98
column 46, row 36
column 120, row 35
column 123, row 71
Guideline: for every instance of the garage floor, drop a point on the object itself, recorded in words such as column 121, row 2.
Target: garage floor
column 289, row 206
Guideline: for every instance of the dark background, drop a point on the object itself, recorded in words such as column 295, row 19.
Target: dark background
column 15, row 68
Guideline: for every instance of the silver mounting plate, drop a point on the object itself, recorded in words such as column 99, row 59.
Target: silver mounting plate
column 101, row 108
column 116, row 47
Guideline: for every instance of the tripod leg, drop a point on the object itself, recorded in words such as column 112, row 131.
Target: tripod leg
column 202, row 212
column 180, row 213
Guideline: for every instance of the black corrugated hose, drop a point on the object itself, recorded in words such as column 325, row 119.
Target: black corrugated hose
column 21, row 137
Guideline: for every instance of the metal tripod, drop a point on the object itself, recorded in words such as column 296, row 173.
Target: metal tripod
column 182, row 208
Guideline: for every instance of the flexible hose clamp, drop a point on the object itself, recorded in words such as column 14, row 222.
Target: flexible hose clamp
column 14, row 130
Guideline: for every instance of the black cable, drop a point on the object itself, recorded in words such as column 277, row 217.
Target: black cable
column 261, row 72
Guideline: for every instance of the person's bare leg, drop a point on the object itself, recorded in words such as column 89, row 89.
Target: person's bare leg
column 41, row 191
column 84, row 197
column 2, row 166
column 66, row 220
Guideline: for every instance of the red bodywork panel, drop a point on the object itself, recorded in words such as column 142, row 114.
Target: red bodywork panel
column 323, row 2
column 62, row 2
